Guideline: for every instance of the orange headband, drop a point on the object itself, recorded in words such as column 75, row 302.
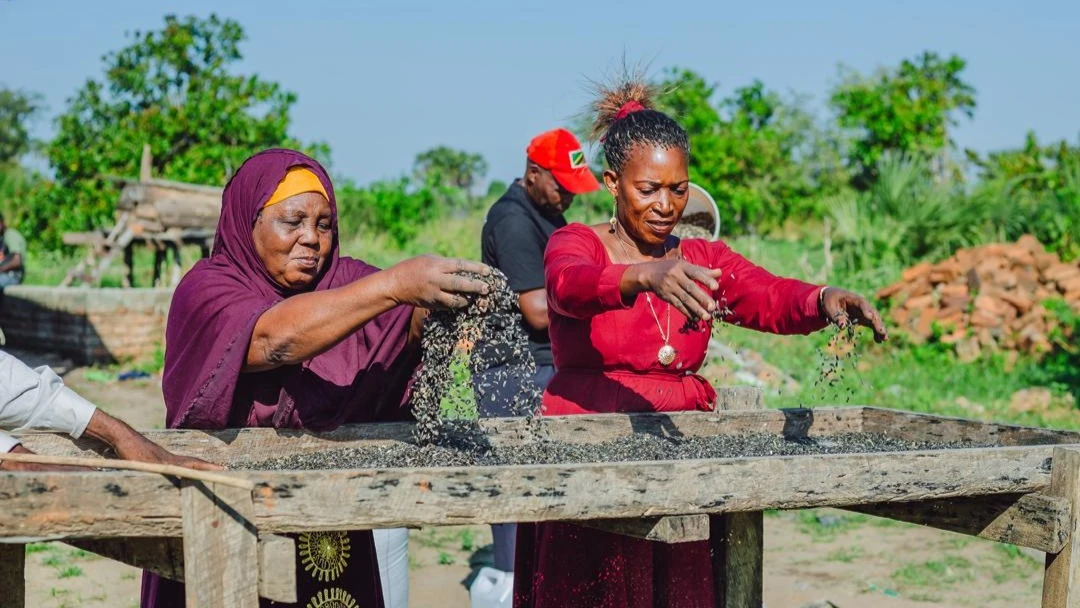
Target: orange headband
column 297, row 180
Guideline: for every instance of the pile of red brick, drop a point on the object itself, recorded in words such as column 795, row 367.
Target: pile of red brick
column 988, row 297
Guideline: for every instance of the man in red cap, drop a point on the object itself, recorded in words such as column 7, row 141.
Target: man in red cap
column 514, row 236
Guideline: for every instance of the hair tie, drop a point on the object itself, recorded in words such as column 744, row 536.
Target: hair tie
column 628, row 108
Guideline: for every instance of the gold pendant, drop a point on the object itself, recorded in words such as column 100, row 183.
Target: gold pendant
column 666, row 355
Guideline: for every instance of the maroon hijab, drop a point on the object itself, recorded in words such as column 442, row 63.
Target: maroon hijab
column 213, row 314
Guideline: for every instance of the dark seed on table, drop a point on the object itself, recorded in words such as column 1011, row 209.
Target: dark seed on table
column 465, row 450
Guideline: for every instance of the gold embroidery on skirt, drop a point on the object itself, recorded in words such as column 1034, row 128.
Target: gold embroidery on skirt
column 332, row 598
column 324, row 554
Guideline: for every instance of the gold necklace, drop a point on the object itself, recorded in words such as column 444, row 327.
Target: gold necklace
column 667, row 353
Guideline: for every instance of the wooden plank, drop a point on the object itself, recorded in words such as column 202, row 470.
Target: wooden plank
column 165, row 557
column 671, row 529
column 220, row 546
column 235, row 446
column 926, row 427
column 277, row 568
column 12, row 575
column 1033, row 520
column 738, row 559
column 162, row 556
column 60, row 505
column 1061, row 579
column 738, row 543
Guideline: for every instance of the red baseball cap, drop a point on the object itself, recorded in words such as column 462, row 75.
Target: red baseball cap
column 560, row 152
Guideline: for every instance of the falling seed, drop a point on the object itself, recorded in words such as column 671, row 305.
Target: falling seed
column 448, row 337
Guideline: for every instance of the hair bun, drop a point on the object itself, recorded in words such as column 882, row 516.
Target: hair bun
column 616, row 101
column 628, row 108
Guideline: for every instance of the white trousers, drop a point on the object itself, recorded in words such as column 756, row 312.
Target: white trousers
column 392, row 548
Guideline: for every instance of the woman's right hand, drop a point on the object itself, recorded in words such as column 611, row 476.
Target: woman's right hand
column 678, row 282
column 434, row 282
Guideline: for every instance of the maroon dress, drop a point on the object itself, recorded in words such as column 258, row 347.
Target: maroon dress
column 362, row 378
column 606, row 354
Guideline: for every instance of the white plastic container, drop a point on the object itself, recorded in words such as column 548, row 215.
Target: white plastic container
column 392, row 548
column 492, row 589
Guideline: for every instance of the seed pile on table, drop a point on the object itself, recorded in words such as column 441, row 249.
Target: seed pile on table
column 447, row 331
column 694, row 226
column 636, row 447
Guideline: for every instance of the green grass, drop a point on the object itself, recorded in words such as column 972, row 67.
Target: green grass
column 846, row 555
column 468, row 542
column 70, row 572
column 948, row 570
column 824, row 525
column 50, row 267
column 53, row 561
column 1009, row 563
column 921, row 379
column 445, row 559
column 896, row 374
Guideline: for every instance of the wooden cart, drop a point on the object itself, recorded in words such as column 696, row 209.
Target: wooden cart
column 1023, row 491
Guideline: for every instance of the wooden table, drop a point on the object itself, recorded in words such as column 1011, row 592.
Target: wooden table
column 1022, row 491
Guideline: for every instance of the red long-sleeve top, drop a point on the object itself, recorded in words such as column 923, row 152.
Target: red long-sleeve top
column 605, row 348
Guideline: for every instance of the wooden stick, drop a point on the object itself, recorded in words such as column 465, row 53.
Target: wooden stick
column 132, row 465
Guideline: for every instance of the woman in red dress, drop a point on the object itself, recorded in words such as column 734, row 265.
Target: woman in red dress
column 631, row 310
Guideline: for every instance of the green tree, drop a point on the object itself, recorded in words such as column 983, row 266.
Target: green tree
column 173, row 89
column 907, row 110
column 449, row 168
column 747, row 149
column 1035, row 190
column 16, row 110
column 391, row 207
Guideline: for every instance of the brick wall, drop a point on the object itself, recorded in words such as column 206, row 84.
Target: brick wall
column 89, row 325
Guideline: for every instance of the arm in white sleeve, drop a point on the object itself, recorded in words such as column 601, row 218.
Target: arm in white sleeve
column 36, row 399
column 7, row 442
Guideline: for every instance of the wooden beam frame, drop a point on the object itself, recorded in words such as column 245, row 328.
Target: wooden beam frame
column 671, row 529
column 165, row 557
column 220, row 546
column 1061, row 578
column 1034, row 520
column 76, row 504
column 13, row 575
column 915, row 486
column 738, row 540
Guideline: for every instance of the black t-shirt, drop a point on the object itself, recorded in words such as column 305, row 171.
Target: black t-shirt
column 513, row 240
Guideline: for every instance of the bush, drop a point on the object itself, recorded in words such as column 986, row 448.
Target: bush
column 1061, row 367
column 390, row 207
column 1035, row 190
column 904, row 217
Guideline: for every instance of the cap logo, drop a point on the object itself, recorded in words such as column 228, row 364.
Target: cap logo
column 577, row 159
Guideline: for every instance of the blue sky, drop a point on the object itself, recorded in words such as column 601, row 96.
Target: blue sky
column 382, row 81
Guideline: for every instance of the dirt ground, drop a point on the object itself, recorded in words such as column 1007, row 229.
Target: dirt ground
column 850, row 560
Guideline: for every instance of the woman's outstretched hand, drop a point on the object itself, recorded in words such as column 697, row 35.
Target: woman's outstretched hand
column 434, row 282
column 844, row 308
column 679, row 283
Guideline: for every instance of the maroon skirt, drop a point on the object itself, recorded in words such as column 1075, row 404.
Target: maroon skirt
column 561, row 565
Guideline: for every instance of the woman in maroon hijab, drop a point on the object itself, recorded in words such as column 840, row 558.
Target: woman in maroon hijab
column 275, row 329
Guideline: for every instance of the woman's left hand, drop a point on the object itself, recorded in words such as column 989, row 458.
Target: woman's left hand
column 844, row 307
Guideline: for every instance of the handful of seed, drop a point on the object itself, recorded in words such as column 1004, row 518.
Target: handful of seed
column 453, row 333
